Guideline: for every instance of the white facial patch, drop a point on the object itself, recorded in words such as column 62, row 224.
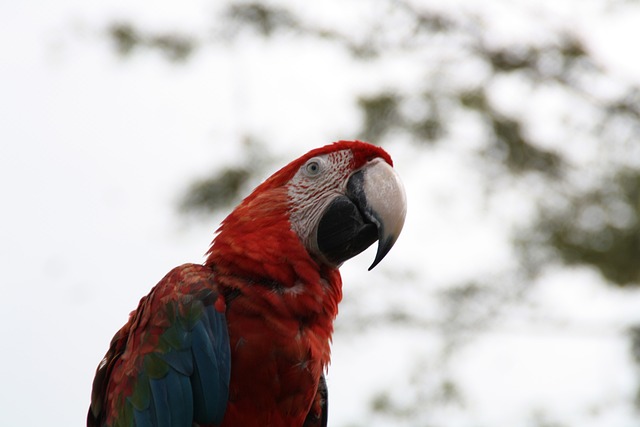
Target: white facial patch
column 312, row 189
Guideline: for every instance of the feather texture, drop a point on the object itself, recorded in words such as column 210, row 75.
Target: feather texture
column 244, row 339
column 170, row 364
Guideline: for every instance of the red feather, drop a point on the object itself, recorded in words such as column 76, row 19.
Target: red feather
column 280, row 302
column 280, row 309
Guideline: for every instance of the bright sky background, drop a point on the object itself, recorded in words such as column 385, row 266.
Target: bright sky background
column 95, row 151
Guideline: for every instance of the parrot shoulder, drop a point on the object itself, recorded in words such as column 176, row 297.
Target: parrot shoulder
column 171, row 360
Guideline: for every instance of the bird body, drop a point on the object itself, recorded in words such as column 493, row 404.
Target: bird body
column 244, row 339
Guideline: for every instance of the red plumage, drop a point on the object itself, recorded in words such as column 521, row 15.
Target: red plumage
column 280, row 329
column 266, row 298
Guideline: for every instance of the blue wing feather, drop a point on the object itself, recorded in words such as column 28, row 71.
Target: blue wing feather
column 210, row 380
column 160, row 402
column 180, row 360
column 172, row 399
column 143, row 419
column 184, row 379
column 196, row 385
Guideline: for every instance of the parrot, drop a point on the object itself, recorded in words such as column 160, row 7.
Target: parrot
column 243, row 339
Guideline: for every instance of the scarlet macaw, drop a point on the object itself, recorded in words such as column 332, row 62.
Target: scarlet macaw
column 243, row 340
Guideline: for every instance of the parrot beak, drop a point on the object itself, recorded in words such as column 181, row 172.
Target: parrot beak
column 373, row 208
column 385, row 204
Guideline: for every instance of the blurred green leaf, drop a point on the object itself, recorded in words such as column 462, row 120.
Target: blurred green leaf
column 265, row 19
column 210, row 194
column 381, row 115
column 174, row 46
column 519, row 154
column 599, row 228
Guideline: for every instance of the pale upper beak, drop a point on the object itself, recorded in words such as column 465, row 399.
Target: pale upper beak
column 373, row 208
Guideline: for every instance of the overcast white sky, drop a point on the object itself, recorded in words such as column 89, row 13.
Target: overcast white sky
column 94, row 152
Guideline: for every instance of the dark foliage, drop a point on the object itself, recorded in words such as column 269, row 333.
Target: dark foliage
column 216, row 192
column 600, row 228
column 266, row 20
column 381, row 115
column 175, row 47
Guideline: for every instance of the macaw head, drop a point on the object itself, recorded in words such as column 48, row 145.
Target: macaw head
column 336, row 200
column 343, row 198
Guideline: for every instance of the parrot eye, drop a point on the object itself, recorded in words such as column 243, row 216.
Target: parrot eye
column 313, row 167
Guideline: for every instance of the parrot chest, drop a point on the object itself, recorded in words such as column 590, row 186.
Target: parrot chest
column 276, row 366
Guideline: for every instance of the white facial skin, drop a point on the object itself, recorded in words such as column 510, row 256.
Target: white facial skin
column 321, row 179
column 312, row 189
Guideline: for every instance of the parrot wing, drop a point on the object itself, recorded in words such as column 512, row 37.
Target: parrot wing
column 318, row 413
column 170, row 364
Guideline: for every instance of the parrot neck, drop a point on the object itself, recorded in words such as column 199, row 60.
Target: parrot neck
column 256, row 244
column 279, row 303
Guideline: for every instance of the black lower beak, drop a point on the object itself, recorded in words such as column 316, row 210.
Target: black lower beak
column 372, row 208
column 343, row 232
